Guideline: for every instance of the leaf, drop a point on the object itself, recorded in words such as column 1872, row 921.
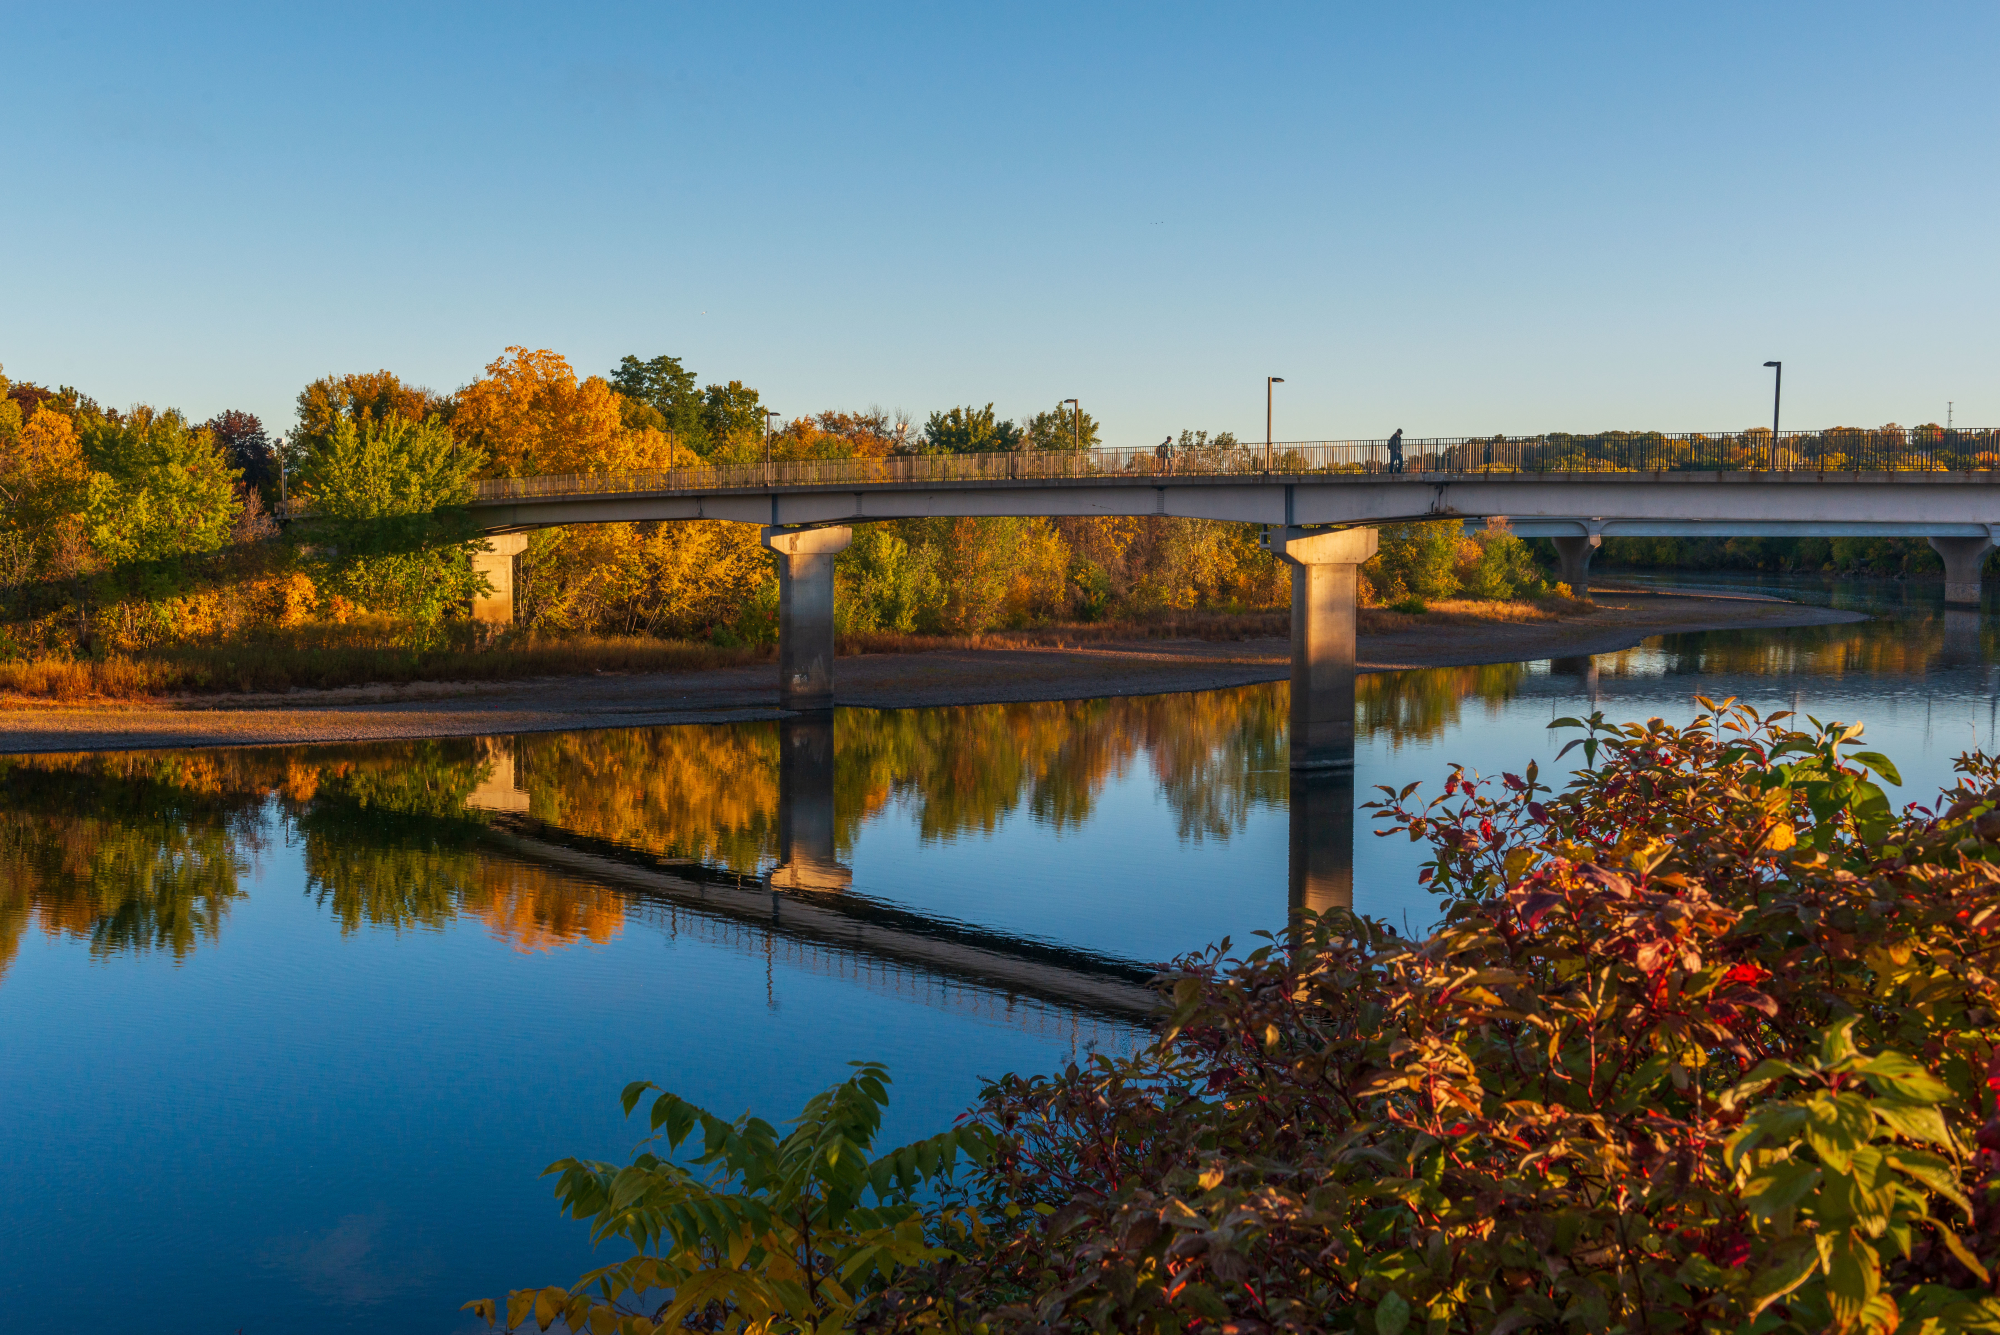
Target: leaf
column 1853, row 1273
column 1782, row 1276
column 1392, row 1314
column 1880, row 763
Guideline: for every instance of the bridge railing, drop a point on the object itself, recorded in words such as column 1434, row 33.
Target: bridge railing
column 1838, row 450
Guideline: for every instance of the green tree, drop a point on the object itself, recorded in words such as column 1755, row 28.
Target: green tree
column 1062, row 428
column 158, row 488
column 1416, row 560
column 968, row 430
column 661, row 393
column 389, row 497
column 732, row 417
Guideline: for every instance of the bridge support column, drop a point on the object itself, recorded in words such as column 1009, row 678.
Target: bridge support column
column 1573, row 557
column 805, row 612
column 1963, row 558
column 497, row 564
column 1324, row 581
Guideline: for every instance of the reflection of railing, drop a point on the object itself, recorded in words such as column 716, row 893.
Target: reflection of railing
column 1839, row 450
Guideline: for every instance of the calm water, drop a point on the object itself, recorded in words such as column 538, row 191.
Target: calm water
column 286, row 1035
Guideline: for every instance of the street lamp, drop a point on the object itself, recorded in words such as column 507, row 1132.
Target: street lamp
column 1269, row 381
column 1777, row 387
column 1075, row 423
column 769, row 413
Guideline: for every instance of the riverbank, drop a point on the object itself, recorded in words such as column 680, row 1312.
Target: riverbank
column 958, row 676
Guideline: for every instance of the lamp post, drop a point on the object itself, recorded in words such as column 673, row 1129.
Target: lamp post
column 1777, row 390
column 1269, row 381
column 769, row 413
column 1075, row 423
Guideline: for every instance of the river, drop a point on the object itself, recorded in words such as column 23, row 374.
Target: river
column 287, row 1034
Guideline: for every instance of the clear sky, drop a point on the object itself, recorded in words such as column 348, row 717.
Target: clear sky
column 1447, row 218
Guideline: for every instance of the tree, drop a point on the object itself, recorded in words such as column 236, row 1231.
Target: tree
column 968, row 430
column 1062, row 428
column 530, row 414
column 158, row 487
column 667, row 389
column 248, row 449
column 733, row 418
column 364, row 396
column 389, row 495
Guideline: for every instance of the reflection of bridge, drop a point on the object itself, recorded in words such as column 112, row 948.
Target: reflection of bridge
column 805, row 893
column 1320, row 500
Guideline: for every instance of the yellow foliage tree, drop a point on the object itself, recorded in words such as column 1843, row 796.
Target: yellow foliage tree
column 531, row 414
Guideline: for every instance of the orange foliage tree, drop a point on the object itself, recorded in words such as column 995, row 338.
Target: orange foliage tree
column 531, row 414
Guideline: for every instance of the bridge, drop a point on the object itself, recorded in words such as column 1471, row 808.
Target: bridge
column 1321, row 501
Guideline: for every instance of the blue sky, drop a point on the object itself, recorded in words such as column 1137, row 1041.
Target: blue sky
column 1448, row 218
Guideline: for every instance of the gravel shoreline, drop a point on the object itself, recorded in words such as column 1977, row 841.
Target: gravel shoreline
column 876, row 681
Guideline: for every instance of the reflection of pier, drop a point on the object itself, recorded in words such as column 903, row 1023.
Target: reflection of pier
column 793, row 900
column 805, row 808
column 1322, row 861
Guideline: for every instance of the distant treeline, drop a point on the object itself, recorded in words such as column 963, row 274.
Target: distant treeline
column 1833, row 556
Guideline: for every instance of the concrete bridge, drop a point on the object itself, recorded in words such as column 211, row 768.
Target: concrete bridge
column 1321, row 502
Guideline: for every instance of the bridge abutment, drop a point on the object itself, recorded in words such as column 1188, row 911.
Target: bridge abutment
column 1325, row 578
column 805, row 612
column 1963, row 558
column 1573, row 559
column 497, row 564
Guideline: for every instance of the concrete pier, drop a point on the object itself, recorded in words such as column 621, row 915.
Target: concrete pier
column 1573, row 555
column 1963, row 559
column 805, row 807
column 1324, row 582
column 497, row 564
column 805, row 612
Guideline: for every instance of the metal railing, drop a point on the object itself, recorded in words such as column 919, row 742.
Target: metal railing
column 1839, row 450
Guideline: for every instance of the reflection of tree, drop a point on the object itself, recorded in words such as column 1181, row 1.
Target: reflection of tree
column 707, row 793
column 1420, row 703
column 1903, row 645
column 144, row 850
column 127, row 855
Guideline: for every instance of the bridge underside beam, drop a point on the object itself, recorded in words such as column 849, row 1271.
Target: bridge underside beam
column 1549, row 527
column 1904, row 504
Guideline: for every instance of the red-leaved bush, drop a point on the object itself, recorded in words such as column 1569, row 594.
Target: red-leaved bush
column 1706, row 1042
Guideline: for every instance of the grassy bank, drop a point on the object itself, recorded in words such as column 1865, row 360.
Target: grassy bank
column 388, row 654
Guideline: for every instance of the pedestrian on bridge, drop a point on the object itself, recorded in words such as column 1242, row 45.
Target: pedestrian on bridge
column 1164, row 453
column 1396, row 451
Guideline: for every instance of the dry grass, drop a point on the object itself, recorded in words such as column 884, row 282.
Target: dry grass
column 284, row 665
column 367, row 654
column 1464, row 612
column 1179, row 626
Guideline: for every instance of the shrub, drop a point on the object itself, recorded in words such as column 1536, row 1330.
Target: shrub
column 1706, row 1041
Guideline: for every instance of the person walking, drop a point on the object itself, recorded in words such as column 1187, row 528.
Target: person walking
column 1396, row 451
column 1164, row 454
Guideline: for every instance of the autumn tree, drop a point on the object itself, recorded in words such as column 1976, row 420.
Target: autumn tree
column 530, row 414
column 365, row 396
column 248, row 449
